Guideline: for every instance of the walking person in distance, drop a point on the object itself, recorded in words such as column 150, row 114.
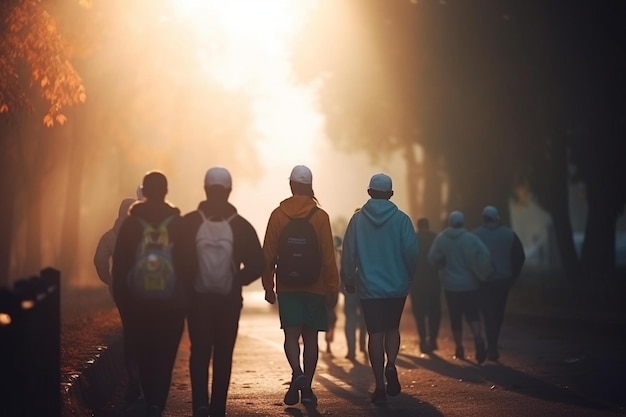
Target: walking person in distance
column 507, row 256
column 464, row 262
column 426, row 291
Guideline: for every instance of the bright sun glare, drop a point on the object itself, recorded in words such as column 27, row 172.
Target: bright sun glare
column 254, row 42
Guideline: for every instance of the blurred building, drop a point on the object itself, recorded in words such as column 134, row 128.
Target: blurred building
column 534, row 228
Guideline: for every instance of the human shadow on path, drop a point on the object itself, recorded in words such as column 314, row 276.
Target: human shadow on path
column 499, row 376
column 354, row 384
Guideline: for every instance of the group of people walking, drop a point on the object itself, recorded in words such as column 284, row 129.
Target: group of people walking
column 476, row 270
column 168, row 268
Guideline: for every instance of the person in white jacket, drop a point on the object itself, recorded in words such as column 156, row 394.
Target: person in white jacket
column 464, row 262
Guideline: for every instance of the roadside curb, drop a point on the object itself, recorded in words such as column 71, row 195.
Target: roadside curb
column 91, row 386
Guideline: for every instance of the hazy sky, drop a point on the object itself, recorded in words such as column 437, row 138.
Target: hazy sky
column 287, row 126
column 256, row 42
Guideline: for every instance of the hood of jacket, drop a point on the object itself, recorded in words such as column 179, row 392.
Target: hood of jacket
column 217, row 209
column 297, row 206
column 378, row 211
column 454, row 232
column 153, row 211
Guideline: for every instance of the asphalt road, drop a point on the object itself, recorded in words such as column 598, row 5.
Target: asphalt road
column 548, row 367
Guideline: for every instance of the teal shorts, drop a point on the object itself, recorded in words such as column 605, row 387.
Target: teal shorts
column 302, row 309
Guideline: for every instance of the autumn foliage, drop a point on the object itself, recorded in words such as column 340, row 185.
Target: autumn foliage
column 34, row 57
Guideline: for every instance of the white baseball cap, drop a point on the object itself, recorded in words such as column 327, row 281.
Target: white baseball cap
column 218, row 176
column 301, row 174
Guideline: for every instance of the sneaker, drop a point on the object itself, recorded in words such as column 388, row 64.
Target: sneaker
column 293, row 393
column 308, row 396
column 379, row 397
column 202, row 411
column 459, row 353
column 393, row 384
column 481, row 352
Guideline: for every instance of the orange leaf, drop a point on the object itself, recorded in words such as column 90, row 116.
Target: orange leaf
column 48, row 121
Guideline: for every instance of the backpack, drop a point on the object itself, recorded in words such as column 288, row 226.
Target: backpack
column 153, row 275
column 214, row 247
column 299, row 261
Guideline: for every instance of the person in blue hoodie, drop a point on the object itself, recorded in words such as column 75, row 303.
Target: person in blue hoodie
column 464, row 262
column 379, row 257
column 508, row 257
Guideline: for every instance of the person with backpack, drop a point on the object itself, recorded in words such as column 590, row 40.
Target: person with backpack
column 299, row 252
column 379, row 257
column 220, row 253
column 147, row 291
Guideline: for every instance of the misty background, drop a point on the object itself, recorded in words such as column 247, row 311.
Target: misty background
column 514, row 103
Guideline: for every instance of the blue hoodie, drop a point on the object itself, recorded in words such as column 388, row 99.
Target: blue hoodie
column 379, row 251
column 507, row 252
column 463, row 259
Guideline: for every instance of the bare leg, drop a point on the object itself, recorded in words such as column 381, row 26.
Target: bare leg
column 311, row 353
column 292, row 348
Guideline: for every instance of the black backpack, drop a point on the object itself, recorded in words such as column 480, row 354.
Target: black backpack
column 299, row 261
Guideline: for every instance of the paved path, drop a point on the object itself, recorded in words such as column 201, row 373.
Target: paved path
column 549, row 367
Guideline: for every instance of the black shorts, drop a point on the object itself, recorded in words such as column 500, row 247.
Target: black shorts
column 382, row 314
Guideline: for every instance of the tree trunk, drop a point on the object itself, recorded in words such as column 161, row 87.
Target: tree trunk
column 71, row 215
column 433, row 198
column 412, row 177
column 565, row 242
column 598, row 252
column 35, row 170
column 6, row 208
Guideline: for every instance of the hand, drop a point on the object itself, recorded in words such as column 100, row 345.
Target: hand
column 350, row 289
column 270, row 296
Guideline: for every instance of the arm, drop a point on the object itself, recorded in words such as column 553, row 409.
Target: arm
column 349, row 256
column 185, row 255
column 329, row 272
column 270, row 251
column 251, row 253
column 436, row 256
column 102, row 257
column 411, row 250
column 480, row 259
column 123, row 259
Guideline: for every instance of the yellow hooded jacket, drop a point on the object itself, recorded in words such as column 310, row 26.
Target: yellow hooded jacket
column 295, row 207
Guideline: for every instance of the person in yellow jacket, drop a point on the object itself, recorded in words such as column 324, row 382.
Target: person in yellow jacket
column 301, row 306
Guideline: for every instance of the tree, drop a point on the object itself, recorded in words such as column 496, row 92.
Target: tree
column 32, row 56
column 427, row 74
column 576, row 108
